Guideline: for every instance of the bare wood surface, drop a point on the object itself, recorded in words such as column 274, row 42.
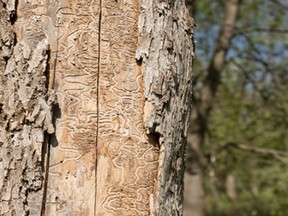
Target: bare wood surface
column 102, row 158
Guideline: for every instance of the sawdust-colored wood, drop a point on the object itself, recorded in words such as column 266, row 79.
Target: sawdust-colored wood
column 112, row 142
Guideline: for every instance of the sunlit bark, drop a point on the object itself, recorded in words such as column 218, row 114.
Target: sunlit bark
column 94, row 106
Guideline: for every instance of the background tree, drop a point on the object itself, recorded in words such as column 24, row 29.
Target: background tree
column 244, row 141
column 88, row 122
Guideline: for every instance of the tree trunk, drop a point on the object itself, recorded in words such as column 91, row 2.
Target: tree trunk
column 94, row 101
column 201, row 109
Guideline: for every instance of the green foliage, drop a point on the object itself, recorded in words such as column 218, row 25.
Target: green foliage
column 251, row 108
column 239, row 116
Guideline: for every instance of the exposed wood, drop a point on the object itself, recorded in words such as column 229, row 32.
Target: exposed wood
column 115, row 113
column 72, row 164
column 127, row 158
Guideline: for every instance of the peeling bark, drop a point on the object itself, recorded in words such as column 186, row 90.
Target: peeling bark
column 118, row 146
column 166, row 51
column 25, row 116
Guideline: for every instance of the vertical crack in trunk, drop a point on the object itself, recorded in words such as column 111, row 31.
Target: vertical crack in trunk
column 98, row 94
column 48, row 138
column 123, row 173
column 47, row 144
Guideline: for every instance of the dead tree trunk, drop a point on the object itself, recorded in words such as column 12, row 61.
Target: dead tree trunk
column 94, row 106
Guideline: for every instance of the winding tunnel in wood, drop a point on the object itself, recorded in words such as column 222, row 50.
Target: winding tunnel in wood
column 101, row 149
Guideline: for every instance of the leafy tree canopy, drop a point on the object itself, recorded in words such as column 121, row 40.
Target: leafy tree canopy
column 247, row 134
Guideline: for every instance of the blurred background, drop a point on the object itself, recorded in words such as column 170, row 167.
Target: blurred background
column 237, row 151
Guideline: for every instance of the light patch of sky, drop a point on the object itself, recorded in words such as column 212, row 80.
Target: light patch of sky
column 270, row 48
column 205, row 37
column 238, row 46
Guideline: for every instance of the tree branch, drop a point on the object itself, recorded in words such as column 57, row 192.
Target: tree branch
column 264, row 30
column 280, row 156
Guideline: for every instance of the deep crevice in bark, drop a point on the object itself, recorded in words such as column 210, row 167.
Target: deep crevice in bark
column 154, row 139
column 45, row 151
column 47, row 71
column 139, row 61
column 97, row 105
column 13, row 15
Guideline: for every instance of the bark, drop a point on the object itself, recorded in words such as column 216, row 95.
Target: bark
column 25, row 117
column 201, row 109
column 166, row 63
column 113, row 141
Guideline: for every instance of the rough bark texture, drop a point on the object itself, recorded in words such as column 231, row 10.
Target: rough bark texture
column 24, row 118
column 118, row 147
column 166, row 51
